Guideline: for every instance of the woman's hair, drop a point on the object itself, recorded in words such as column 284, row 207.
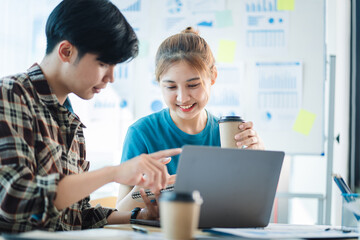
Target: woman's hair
column 188, row 47
column 92, row 26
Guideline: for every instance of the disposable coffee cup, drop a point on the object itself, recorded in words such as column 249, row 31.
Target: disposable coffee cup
column 229, row 127
column 179, row 214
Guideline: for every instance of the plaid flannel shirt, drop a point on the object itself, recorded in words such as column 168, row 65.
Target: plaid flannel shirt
column 41, row 141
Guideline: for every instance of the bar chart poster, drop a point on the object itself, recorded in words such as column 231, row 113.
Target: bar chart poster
column 136, row 13
column 123, row 85
column 278, row 88
column 264, row 28
column 175, row 13
column 130, row 5
column 226, row 95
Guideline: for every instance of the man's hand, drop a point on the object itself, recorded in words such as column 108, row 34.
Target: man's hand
column 146, row 170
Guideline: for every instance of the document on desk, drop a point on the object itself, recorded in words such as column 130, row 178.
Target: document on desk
column 286, row 231
column 90, row 234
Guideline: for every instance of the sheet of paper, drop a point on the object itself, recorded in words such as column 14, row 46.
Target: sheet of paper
column 205, row 5
column 143, row 48
column 287, row 231
column 278, row 88
column 96, row 234
column 107, row 234
column 224, row 19
column 264, row 29
column 226, row 92
column 200, row 20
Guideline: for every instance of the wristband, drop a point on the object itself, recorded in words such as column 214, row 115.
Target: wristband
column 135, row 212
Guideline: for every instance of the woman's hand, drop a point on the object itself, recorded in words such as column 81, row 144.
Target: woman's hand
column 151, row 211
column 172, row 179
column 248, row 137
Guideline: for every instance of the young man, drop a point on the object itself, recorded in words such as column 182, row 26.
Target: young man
column 44, row 178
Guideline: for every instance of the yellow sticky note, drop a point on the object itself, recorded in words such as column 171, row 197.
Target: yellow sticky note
column 226, row 51
column 304, row 122
column 285, row 5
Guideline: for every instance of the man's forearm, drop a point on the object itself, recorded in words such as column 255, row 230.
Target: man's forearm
column 119, row 217
column 75, row 187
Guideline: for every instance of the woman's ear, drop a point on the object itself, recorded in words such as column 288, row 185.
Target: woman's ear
column 65, row 51
column 214, row 75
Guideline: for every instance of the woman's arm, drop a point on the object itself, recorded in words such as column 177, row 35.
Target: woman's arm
column 125, row 202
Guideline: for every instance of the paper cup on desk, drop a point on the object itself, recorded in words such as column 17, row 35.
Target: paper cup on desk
column 229, row 127
column 179, row 214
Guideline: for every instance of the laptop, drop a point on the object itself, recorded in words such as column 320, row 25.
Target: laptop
column 238, row 186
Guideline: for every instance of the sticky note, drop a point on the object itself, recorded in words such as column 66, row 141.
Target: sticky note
column 226, row 51
column 224, row 19
column 304, row 122
column 285, row 5
column 143, row 48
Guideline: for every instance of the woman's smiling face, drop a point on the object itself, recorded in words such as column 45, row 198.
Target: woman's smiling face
column 185, row 91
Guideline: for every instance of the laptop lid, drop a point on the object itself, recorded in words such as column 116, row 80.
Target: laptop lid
column 238, row 186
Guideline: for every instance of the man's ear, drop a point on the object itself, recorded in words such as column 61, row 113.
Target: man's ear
column 214, row 75
column 65, row 51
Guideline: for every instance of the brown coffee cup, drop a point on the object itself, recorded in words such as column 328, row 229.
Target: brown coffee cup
column 179, row 214
column 229, row 127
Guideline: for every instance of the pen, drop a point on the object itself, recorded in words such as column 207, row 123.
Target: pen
column 139, row 229
column 338, row 229
column 346, row 192
column 344, row 188
column 343, row 183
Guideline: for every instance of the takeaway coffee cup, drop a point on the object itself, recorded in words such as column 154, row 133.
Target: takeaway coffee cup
column 179, row 214
column 229, row 127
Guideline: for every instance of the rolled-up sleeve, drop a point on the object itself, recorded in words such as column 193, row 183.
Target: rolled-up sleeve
column 95, row 217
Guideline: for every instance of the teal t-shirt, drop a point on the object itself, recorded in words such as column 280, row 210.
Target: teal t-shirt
column 157, row 132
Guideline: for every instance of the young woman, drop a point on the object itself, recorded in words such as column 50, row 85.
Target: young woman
column 185, row 70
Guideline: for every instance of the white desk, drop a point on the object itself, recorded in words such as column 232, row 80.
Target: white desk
column 125, row 231
column 110, row 232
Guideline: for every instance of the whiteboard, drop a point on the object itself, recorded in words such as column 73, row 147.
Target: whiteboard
column 296, row 48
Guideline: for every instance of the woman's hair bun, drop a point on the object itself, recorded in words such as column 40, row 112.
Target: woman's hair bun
column 190, row 30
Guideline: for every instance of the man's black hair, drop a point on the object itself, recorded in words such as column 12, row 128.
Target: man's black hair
column 92, row 26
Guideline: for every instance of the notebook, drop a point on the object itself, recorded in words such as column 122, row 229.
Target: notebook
column 238, row 186
column 137, row 196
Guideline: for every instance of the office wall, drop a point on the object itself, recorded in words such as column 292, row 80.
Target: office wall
column 270, row 71
column 132, row 96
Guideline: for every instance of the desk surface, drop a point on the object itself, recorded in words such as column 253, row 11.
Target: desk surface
column 118, row 232
column 126, row 231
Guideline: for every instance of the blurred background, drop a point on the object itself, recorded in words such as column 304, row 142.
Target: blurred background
column 273, row 59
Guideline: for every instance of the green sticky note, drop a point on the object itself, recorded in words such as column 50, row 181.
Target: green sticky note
column 224, row 19
column 143, row 48
column 304, row 122
column 226, row 51
column 285, row 5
